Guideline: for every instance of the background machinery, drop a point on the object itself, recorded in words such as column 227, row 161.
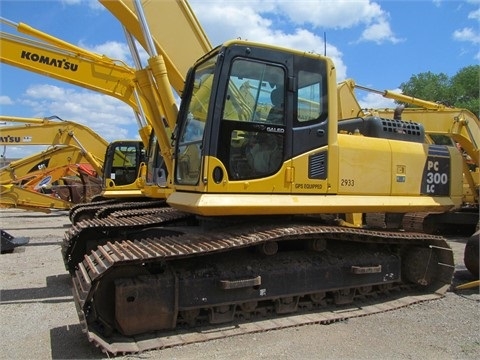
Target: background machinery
column 271, row 214
column 87, row 70
column 137, row 89
column 57, row 178
column 443, row 126
column 54, row 178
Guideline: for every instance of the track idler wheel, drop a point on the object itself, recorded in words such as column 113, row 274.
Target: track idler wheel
column 104, row 299
column 420, row 265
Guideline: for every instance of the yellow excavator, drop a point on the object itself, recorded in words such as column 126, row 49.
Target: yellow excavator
column 57, row 178
column 52, row 157
column 40, row 194
column 271, row 210
column 14, row 194
column 51, row 184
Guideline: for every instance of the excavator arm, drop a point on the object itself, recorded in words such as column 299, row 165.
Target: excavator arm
column 179, row 19
column 75, row 66
column 52, row 188
column 459, row 124
column 48, row 132
column 71, row 64
column 52, row 157
column 55, row 178
column 168, row 62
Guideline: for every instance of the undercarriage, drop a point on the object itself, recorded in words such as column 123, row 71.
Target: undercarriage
column 171, row 286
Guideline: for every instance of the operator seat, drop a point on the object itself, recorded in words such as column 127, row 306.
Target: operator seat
column 265, row 156
column 276, row 114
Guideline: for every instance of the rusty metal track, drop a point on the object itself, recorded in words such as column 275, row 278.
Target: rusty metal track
column 162, row 340
column 77, row 208
column 121, row 221
column 102, row 209
column 152, row 250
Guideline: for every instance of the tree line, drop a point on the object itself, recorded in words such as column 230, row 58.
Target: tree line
column 462, row 90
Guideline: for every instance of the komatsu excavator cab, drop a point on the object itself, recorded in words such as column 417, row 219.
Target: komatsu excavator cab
column 267, row 108
column 233, row 158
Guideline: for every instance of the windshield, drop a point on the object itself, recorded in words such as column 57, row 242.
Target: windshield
column 191, row 134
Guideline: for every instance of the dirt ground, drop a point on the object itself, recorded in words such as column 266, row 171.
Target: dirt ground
column 38, row 318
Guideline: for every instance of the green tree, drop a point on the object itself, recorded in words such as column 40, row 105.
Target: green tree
column 465, row 88
column 428, row 86
column 461, row 90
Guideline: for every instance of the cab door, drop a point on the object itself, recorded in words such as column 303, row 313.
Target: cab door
column 309, row 127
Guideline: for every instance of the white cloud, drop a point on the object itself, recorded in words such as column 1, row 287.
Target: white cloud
column 112, row 49
column 45, row 92
column 379, row 32
column 470, row 35
column 117, row 51
column 331, row 14
column 375, row 101
column 92, row 4
column 5, row 100
column 242, row 19
column 71, row 2
column 475, row 15
column 106, row 115
column 467, row 34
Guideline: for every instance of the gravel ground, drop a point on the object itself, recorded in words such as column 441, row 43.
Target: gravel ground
column 38, row 318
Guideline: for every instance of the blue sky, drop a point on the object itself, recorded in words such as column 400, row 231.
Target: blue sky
column 379, row 44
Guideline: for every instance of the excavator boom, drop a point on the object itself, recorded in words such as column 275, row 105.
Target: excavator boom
column 65, row 174
column 48, row 132
column 89, row 71
column 179, row 19
column 65, row 62
column 52, row 157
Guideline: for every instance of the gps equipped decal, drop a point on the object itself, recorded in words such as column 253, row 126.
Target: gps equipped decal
column 436, row 173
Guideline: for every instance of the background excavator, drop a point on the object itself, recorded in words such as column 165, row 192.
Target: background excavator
column 56, row 183
column 96, row 72
column 149, row 182
column 57, row 178
column 443, row 125
column 135, row 86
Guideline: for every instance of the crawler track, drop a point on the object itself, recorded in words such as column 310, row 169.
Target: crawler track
column 89, row 234
column 102, row 209
column 118, row 263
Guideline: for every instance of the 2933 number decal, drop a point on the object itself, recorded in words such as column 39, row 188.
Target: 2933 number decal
column 347, row 182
